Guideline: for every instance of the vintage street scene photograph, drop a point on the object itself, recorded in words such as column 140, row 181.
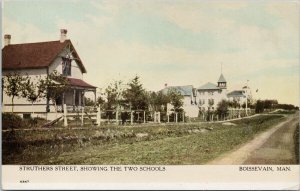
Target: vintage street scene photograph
column 150, row 82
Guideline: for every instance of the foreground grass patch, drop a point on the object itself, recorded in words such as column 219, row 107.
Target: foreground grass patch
column 174, row 144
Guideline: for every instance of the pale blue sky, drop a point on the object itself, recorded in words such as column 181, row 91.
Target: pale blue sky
column 174, row 42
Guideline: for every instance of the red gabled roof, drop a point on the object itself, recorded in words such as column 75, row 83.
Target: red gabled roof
column 35, row 55
column 79, row 83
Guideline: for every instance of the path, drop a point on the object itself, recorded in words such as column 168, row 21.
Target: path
column 275, row 146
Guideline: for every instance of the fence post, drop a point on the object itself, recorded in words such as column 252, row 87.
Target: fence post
column 168, row 116
column 176, row 117
column 98, row 116
column 65, row 116
column 183, row 117
column 144, row 116
column 117, row 121
column 131, row 117
column 82, row 114
column 158, row 117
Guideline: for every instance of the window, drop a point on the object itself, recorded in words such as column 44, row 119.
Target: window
column 66, row 66
column 26, row 116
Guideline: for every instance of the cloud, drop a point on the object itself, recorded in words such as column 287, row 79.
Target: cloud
column 180, row 43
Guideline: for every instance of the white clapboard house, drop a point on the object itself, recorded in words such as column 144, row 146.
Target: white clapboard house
column 41, row 59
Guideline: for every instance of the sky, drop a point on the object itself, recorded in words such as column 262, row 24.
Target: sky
column 178, row 42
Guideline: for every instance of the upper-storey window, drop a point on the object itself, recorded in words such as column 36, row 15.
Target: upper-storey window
column 66, row 66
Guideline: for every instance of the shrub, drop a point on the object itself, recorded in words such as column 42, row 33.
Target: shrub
column 11, row 121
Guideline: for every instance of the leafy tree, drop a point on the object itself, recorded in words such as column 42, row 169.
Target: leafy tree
column 88, row 101
column 114, row 98
column 176, row 99
column 260, row 106
column 13, row 86
column 55, row 85
column 233, row 104
column 158, row 101
column 100, row 101
column 222, row 108
column 33, row 91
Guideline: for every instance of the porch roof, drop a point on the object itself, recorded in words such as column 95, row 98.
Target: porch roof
column 80, row 83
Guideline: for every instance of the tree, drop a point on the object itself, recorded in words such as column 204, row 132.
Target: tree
column 114, row 98
column 55, row 85
column 222, row 108
column 135, row 95
column 158, row 101
column 260, row 106
column 175, row 99
column 88, row 101
column 13, row 86
column 35, row 90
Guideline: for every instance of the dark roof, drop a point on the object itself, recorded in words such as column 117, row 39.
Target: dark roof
column 35, row 55
column 221, row 78
column 79, row 83
column 208, row 86
column 236, row 93
column 183, row 90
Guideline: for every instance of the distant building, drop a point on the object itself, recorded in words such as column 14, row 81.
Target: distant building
column 206, row 97
column 41, row 59
column 209, row 94
column 189, row 98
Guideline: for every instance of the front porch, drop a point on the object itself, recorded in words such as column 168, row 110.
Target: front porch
column 74, row 97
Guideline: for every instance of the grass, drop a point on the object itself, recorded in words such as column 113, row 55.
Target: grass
column 296, row 140
column 160, row 144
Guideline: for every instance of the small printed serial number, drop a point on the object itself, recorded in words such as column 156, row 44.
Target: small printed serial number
column 24, row 181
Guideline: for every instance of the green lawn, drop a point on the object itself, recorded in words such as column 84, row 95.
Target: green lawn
column 161, row 144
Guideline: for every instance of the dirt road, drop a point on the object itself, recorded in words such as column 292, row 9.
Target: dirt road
column 275, row 146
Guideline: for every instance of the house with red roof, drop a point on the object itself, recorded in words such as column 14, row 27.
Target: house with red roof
column 41, row 59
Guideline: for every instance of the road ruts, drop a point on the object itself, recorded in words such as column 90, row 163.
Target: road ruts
column 275, row 146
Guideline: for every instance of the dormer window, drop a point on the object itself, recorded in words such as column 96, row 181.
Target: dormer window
column 66, row 66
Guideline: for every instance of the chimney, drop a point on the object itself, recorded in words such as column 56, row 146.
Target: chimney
column 63, row 35
column 7, row 38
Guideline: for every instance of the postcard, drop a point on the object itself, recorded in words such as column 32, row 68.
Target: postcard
column 152, row 94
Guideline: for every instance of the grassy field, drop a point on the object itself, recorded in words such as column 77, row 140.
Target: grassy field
column 145, row 144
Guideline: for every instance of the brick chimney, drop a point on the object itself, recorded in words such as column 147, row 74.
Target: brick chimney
column 7, row 38
column 63, row 35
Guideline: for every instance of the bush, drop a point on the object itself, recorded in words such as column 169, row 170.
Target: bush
column 11, row 121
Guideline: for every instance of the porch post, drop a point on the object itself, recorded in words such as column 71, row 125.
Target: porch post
column 63, row 101
column 144, row 116
column 95, row 96
column 83, row 101
column 79, row 98
column 74, row 95
column 82, row 115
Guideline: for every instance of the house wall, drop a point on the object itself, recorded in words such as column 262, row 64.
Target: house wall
column 191, row 110
column 206, row 95
column 21, row 104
